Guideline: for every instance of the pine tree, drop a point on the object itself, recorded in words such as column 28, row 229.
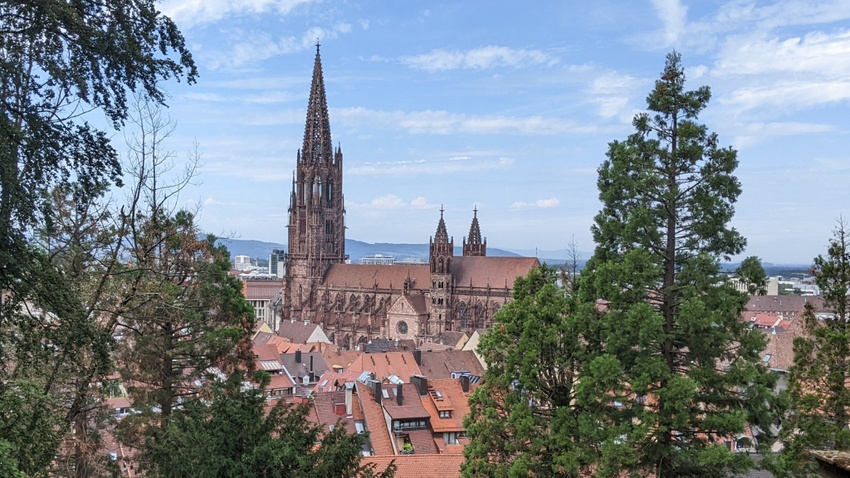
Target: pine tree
column 525, row 419
column 817, row 388
column 681, row 373
column 230, row 434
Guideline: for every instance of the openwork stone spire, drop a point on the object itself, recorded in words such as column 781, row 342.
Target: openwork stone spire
column 317, row 209
column 476, row 246
column 442, row 236
column 317, row 132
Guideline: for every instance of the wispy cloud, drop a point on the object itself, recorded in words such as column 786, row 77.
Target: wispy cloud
column 446, row 123
column 674, row 15
column 614, row 94
column 436, row 166
column 540, row 204
column 188, row 13
column 250, row 47
column 393, row 202
column 752, row 133
column 478, row 59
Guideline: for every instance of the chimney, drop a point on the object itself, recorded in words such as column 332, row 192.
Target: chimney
column 464, row 383
column 297, row 357
column 421, row 384
column 349, row 398
column 311, row 364
column 376, row 390
column 398, row 394
column 417, row 355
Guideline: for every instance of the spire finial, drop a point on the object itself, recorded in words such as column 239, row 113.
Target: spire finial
column 317, row 45
column 441, row 211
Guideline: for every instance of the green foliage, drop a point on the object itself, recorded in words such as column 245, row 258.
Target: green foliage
column 59, row 59
column 187, row 322
column 817, row 388
column 683, row 369
column 751, row 273
column 230, row 435
column 523, row 419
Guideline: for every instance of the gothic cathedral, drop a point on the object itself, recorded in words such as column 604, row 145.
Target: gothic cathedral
column 355, row 303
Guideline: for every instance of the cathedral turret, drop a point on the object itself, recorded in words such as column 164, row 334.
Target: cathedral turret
column 441, row 251
column 476, row 246
column 316, row 212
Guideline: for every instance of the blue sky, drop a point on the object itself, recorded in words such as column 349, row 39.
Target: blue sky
column 509, row 106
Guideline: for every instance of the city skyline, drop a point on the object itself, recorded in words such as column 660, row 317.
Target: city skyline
column 510, row 110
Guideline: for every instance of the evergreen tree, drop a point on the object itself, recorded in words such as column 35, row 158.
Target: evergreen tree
column 60, row 58
column 525, row 419
column 228, row 434
column 817, row 387
column 681, row 374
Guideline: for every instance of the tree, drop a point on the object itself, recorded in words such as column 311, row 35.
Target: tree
column 817, row 386
column 61, row 60
column 525, row 419
column 752, row 273
column 684, row 369
column 229, row 434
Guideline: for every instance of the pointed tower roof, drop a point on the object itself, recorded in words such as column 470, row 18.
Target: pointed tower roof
column 475, row 245
column 317, row 132
column 474, row 229
column 442, row 235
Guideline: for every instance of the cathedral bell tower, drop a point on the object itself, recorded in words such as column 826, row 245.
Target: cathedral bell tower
column 476, row 246
column 316, row 208
column 441, row 251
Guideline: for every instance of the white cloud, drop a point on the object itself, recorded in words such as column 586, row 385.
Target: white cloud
column 478, row 59
column 788, row 95
column 674, row 15
column 540, row 204
column 188, row 13
column 816, row 54
column 753, row 133
column 393, row 202
column 250, row 47
column 445, row 123
column 613, row 93
column 436, row 166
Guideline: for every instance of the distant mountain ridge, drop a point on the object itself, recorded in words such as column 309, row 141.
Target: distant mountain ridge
column 359, row 249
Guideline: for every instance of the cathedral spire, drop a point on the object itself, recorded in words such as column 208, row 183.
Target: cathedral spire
column 442, row 236
column 317, row 132
column 476, row 246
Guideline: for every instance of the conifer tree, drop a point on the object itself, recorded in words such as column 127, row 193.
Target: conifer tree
column 680, row 374
column 817, row 390
column 525, row 419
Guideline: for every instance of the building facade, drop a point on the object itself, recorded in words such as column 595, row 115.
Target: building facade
column 355, row 303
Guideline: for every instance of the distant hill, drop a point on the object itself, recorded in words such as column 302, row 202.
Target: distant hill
column 355, row 249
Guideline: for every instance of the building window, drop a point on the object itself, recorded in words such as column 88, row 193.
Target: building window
column 401, row 327
column 408, row 424
column 445, row 413
column 450, row 438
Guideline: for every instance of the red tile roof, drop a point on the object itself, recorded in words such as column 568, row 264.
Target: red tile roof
column 327, row 406
column 419, row 465
column 441, row 363
column 369, row 276
column 400, row 364
column 411, row 406
column 495, row 272
column 373, row 415
column 422, row 441
column 261, row 289
column 451, row 397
